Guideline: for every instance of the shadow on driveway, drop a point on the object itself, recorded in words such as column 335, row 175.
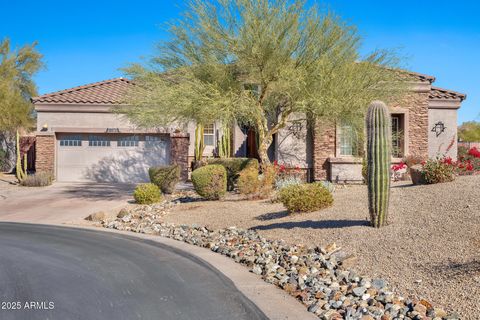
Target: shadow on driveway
column 97, row 191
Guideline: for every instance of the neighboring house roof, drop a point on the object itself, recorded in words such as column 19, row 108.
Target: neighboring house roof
column 437, row 93
column 104, row 92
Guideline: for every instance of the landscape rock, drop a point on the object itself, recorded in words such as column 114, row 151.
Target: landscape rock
column 319, row 277
column 97, row 216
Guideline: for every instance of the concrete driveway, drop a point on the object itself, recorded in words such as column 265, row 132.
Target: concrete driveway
column 61, row 203
column 62, row 273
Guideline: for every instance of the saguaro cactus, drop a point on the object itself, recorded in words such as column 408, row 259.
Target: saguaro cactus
column 379, row 133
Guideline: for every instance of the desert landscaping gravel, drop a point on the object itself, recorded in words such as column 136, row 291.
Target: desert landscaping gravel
column 431, row 249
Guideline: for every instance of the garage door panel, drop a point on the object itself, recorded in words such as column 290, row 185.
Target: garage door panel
column 113, row 163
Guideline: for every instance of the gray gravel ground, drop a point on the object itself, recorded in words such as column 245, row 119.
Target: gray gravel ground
column 431, row 249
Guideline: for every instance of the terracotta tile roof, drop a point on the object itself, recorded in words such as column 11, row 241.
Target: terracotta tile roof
column 444, row 94
column 104, row 92
column 420, row 76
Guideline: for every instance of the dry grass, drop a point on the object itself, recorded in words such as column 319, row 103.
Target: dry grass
column 431, row 248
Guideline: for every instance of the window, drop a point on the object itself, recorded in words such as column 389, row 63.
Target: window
column 152, row 141
column 348, row 141
column 397, row 135
column 208, row 134
column 128, row 141
column 71, row 141
column 98, row 141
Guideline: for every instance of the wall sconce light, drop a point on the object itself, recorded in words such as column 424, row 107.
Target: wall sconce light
column 44, row 127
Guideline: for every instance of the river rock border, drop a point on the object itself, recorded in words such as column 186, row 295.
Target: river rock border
column 320, row 277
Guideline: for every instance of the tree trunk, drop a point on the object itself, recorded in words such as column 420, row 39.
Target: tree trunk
column 264, row 142
column 7, row 144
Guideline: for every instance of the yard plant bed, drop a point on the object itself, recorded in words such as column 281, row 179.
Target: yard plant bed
column 429, row 251
column 431, row 248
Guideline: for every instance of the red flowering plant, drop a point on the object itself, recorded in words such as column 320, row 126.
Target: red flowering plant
column 398, row 170
column 287, row 175
column 468, row 161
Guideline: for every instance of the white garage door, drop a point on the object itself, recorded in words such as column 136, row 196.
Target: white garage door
column 109, row 157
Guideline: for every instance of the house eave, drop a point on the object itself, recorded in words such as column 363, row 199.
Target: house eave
column 444, row 104
column 76, row 107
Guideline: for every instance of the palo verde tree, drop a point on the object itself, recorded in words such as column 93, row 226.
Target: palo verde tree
column 17, row 67
column 258, row 62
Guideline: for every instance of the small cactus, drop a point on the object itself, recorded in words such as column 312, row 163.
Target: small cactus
column 199, row 145
column 379, row 133
column 21, row 172
column 224, row 148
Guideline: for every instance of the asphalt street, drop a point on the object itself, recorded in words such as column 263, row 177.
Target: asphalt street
column 49, row 272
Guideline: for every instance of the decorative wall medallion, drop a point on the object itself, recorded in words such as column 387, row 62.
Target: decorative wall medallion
column 439, row 128
column 296, row 129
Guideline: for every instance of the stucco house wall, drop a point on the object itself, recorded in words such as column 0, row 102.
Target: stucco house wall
column 444, row 143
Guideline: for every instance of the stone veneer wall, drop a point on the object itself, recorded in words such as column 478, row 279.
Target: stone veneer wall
column 179, row 143
column 45, row 153
column 324, row 137
column 323, row 148
column 417, row 105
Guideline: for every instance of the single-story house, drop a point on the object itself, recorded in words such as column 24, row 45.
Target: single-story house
column 79, row 138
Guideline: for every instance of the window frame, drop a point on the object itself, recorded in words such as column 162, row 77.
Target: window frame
column 400, row 119
column 128, row 141
column 209, row 135
column 99, row 141
column 350, row 140
column 71, row 141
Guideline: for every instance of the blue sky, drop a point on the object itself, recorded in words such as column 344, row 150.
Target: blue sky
column 89, row 41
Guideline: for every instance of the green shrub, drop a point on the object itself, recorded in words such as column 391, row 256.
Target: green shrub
column 165, row 177
column 41, row 179
column 3, row 160
column 364, row 170
column 438, row 171
column 234, row 166
column 255, row 185
column 305, row 197
column 147, row 193
column 248, row 181
column 210, row 181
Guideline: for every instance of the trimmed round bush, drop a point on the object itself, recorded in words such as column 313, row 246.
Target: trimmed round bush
column 165, row 177
column 210, row 181
column 306, row 197
column 147, row 193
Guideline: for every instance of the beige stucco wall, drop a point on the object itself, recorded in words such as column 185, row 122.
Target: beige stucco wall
column 438, row 145
column 81, row 120
column 292, row 147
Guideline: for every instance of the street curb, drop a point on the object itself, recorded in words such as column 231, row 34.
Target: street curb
column 275, row 303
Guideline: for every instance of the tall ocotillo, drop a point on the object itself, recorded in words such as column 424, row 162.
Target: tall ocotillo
column 379, row 133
